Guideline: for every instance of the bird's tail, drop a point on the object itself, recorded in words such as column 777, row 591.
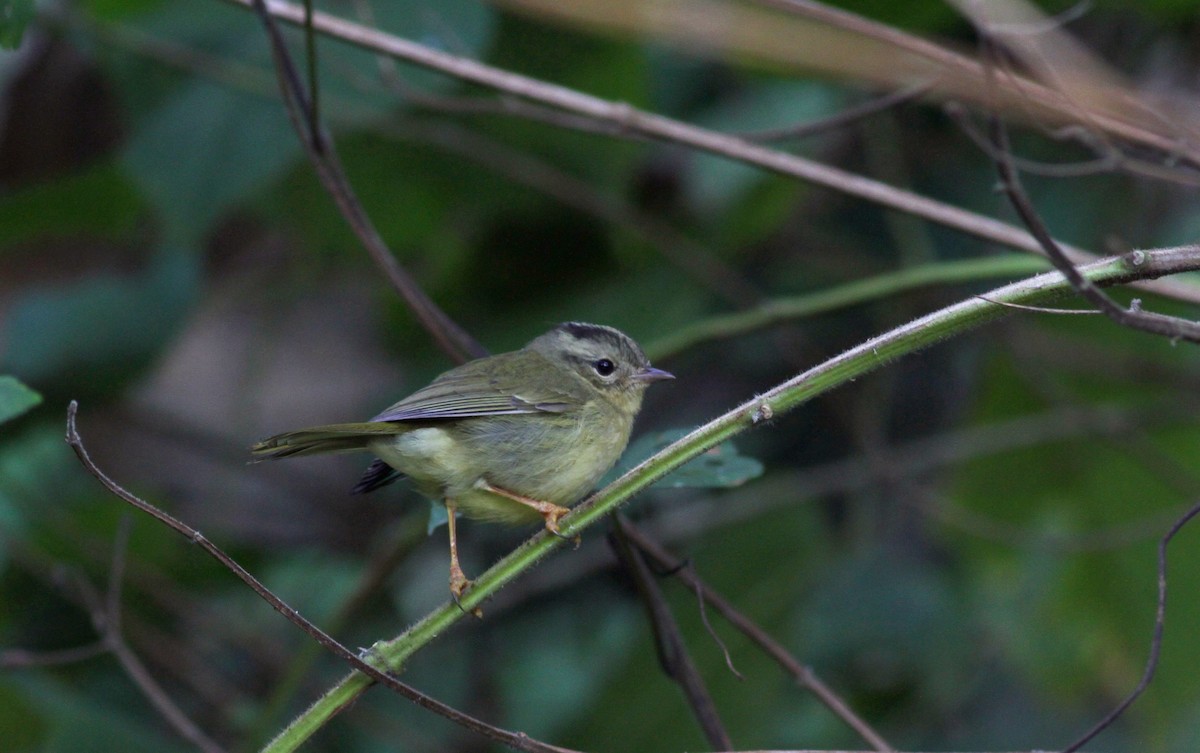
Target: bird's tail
column 318, row 440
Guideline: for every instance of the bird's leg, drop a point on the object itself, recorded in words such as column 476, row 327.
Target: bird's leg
column 549, row 511
column 458, row 579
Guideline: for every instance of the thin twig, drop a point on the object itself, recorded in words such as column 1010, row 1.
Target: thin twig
column 839, row 120
column 18, row 658
column 104, row 611
column 310, row 48
column 1133, row 317
column 1155, row 642
column 515, row 740
column 712, row 632
column 454, row 340
column 802, row 674
column 672, row 651
column 628, row 120
column 1039, row 309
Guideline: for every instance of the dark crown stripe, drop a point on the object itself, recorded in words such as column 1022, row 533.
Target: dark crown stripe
column 582, row 331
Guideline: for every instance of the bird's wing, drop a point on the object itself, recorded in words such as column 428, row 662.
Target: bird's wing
column 506, row 384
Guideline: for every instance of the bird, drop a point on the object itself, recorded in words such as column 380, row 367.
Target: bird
column 512, row 438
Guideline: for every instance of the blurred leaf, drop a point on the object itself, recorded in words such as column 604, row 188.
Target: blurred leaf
column 78, row 718
column 893, row 618
column 98, row 202
column 591, row 634
column 719, row 182
column 23, row 724
column 15, row 398
column 718, row 467
column 438, row 517
column 205, row 149
column 15, row 16
column 292, row 578
column 90, row 334
column 214, row 142
column 31, row 462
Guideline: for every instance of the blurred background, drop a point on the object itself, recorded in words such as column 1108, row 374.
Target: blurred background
column 962, row 544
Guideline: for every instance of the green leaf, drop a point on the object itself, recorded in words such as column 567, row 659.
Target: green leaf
column 720, row 182
column 96, row 332
column 15, row 398
column 23, row 723
column 15, row 15
column 98, row 202
column 438, row 517
column 719, row 467
column 205, row 149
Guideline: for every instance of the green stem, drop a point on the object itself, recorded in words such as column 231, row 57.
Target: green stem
column 870, row 355
column 850, row 294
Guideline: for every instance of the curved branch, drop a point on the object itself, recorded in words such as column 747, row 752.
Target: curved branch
column 857, row 361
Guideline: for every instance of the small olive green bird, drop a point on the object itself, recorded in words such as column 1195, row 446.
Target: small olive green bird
column 508, row 438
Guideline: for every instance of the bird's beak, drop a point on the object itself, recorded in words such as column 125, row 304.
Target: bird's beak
column 651, row 374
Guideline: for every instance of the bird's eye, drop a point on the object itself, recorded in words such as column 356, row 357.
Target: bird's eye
column 604, row 367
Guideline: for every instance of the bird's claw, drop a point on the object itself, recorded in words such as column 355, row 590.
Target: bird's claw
column 459, row 585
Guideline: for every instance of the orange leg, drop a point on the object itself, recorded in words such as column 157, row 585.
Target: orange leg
column 549, row 511
column 458, row 579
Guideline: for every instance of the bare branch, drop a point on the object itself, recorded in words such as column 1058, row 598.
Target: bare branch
column 801, row 673
column 454, row 340
column 1133, row 317
column 627, row 120
column 841, row 119
column 515, row 740
column 1155, row 642
column 672, row 651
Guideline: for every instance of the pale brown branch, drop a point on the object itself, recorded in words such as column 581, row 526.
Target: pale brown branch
column 627, row 119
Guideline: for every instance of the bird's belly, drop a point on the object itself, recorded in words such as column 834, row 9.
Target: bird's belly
column 546, row 460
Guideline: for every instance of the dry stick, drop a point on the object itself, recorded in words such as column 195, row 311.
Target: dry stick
column 839, row 120
column 107, row 622
column 105, row 615
column 1172, row 327
column 453, row 339
column 515, row 740
column 1155, row 642
column 1108, row 161
column 801, row 673
column 672, row 651
column 630, row 120
column 1036, row 93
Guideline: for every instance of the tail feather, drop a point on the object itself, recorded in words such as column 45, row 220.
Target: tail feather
column 319, row 440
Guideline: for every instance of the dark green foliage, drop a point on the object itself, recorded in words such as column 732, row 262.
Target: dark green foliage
column 963, row 544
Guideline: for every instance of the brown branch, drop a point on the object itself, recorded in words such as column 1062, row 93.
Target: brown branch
column 1034, row 94
column 628, row 120
column 672, row 651
column 1155, row 642
column 454, row 340
column 104, row 611
column 802, row 674
column 1134, row 317
column 515, row 740
column 838, row 120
